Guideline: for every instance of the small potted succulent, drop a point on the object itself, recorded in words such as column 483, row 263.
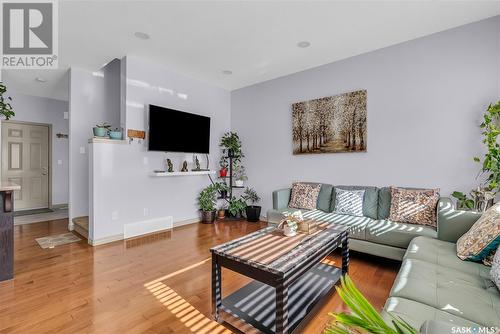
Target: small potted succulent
column 239, row 175
column 116, row 133
column 252, row 211
column 101, row 130
column 206, row 202
column 236, row 207
column 221, row 213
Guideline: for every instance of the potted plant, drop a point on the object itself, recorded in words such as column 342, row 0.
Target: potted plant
column 463, row 203
column 5, row 107
column 252, row 211
column 221, row 213
column 116, row 133
column 223, row 166
column 206, row 201
column 239, row 175
column 290, row 224
column 232, row 143
column 101, row 130
column 222, row 189
column 363, row 318
column 236, row 207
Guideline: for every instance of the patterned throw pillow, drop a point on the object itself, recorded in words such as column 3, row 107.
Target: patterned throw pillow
column 483, row 236
column 488, row 260
column 304, row 196
column 495, row 268
column 414, row 206
column 349, row 202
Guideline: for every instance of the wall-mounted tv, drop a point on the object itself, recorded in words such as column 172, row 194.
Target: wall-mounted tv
column 177, row 131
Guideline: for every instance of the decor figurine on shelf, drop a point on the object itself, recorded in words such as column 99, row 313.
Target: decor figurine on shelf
column 170, row 166
column 184, row 166
column 197, row 164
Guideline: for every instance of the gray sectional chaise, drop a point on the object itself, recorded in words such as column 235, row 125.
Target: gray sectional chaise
column 434, row 289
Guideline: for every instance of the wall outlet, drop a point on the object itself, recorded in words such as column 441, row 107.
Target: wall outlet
column 114, row 215
column 82, row 149
column 59, row 162
column 145, row 212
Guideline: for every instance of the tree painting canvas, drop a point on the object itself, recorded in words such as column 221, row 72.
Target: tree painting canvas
column 330, row 124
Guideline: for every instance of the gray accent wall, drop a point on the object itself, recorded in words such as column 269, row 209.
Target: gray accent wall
column 426, row 98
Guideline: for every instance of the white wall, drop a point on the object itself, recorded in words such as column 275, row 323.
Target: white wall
column 124, row 192
column 48, row 111
column 425, row 102
column 94, row 98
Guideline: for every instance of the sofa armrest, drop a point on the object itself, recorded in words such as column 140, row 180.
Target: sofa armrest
column 281, row 198
column 451, row 223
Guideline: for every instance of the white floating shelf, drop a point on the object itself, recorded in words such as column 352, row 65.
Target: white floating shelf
column 105, row 140
column 162, row 174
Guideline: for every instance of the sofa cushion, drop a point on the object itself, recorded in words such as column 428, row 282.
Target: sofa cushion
column 357, row 224
column 325, row 197
column 444, row 254
column 413, row 206
column 462, row 294
column 384, row 203
column 370, row 199
column 482, row 238
column 304, row 196
column 416, row 313
column 395, row 234
column 349, row 202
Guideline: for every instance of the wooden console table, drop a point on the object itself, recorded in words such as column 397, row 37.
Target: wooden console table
column 7, row 230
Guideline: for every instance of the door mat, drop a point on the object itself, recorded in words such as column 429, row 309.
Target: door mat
column 57, row 240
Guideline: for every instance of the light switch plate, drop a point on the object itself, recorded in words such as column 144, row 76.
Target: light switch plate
column 66, row 115
column 59, row 162
column 145, row 160
column 82, row 149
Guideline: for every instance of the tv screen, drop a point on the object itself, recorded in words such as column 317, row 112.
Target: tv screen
column 177, row 131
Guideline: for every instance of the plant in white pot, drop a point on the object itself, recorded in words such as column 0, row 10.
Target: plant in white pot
column 290, row 224
column 239, row 175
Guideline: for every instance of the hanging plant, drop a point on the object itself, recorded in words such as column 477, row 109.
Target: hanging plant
column 491, row 160
column 5, row 107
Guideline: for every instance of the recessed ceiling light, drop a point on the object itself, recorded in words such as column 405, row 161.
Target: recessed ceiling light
column 141, row 35
column 303, row 44
column 40, row 79
column 227, row 72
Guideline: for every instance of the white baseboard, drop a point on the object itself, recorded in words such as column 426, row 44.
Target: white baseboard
column 147, row 226
column 106, row 240
column 186, row 222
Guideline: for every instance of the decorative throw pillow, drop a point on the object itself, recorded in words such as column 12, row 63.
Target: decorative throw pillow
column 304, row 196
column 483, row 236
column 488, row 260
column 495, row 269
column 349, row 202
column 414, row 206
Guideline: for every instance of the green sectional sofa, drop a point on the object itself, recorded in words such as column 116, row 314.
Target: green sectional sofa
column 373, row 233
column 434, row 290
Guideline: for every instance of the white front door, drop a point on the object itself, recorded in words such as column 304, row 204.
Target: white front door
column 25, row 161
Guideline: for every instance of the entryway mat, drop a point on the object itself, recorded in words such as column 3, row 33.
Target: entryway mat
column 57, row 240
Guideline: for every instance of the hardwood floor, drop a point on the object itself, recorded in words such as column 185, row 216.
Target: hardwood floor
column 155, row 284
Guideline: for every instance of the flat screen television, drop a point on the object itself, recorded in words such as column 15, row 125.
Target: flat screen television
column 177, row 131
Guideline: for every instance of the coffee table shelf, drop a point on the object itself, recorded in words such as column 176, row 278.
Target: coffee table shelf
column 255, row 303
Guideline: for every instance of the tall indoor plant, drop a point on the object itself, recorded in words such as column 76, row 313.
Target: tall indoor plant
column 5, row 107
column 231, row 142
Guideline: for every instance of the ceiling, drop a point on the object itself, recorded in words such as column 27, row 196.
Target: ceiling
column 256, row 40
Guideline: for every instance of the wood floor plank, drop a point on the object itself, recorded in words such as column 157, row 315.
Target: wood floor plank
column 156, row 284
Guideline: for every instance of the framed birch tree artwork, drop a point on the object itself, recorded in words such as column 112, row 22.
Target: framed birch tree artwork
column 330, row 124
